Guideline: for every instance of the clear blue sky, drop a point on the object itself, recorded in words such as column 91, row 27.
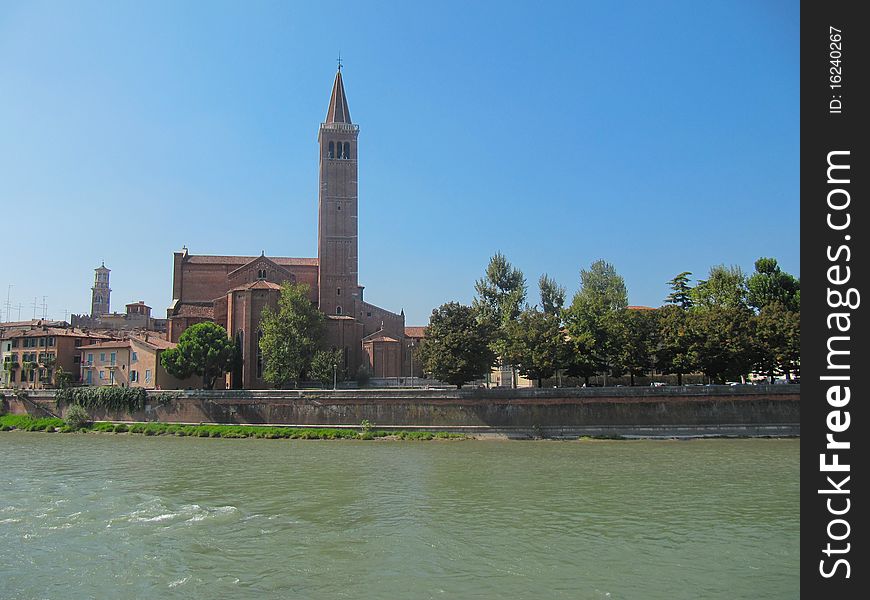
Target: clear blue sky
column 660, row 136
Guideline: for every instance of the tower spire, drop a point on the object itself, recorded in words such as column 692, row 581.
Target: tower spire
column 338, row 111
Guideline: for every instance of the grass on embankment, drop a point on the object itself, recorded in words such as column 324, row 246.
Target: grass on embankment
column 28, row 423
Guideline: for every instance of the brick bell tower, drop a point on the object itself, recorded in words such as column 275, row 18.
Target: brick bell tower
column 338, row 283
column 100, row 293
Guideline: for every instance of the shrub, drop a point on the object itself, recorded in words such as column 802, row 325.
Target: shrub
column 120, row 428
column 77, row 417
column 363, row 376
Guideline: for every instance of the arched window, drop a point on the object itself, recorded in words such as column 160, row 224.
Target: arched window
column 346, row 150
column 99, row 299
column 261, row 273
column 331, row 150
column 338, row 310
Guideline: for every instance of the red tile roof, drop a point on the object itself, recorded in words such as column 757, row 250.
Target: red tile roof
column 415, row 332
column 284, row 261
column 50, row 331
column 639, row 308
column 383, row 338
column 195, row 310
column 257, row 285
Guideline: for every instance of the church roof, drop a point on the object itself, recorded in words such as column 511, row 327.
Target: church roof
column 415, row 332
column 257, row 285
column 338, row 111
column 194, row 310
column 382, row 339
column 243, row 260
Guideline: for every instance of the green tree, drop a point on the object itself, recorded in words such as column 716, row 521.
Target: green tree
column 725, row 287
column 63, row 378
column 723, row 342
column 552, row 295
column 681, row 291
column 203, row 349
column 675, row 351
column 327, row 366
column 590, row 319
column 770, row 284
column 536, row 344
column 636, row 337
column 501, row 293
column 292, row 334
column 777, row 340
column 457, row 348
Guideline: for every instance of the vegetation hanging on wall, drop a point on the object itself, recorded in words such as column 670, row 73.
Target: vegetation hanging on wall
column 108, row 398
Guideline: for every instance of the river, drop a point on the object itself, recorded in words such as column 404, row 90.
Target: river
column 127, row 516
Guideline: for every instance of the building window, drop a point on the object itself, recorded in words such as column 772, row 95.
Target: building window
column 89, row 378
column 15, row 343
column 147, row 375
column 134, row 376
column 134, row 357
column 338, row 310
column 346, row 153
column 368, row 314
column 12, row 376
column 112, row 377
column 78, row 342
column 102, row 375
column 90, row 358
column 331, row 150
column 98, row 299
column 51, row 341
column 112, row 358
column 77, row 359
column 102, row 357
column 338, row 291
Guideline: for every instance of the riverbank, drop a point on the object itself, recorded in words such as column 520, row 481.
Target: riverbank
column 364, row 432
column 55, row 425
column 567, row 413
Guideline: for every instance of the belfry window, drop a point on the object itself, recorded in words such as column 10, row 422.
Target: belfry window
column 346, row 153
column 331, row 150
column 261, row 274
column 338, row 310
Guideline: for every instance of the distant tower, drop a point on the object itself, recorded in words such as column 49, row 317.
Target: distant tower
column 337, row 213
column 100, row 292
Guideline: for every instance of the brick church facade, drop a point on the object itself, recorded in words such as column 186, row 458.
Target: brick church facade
column 233, row 290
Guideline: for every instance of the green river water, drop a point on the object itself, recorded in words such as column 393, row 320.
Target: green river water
column 124, row 516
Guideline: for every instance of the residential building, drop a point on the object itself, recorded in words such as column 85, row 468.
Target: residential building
column 130, row 362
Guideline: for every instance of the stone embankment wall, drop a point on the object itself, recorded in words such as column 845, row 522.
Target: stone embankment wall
column 647, row 412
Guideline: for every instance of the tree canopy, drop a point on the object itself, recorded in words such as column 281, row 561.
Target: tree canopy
column 204, row 349
column 457, row 348
column 681, row 291
column 290, row 335
column 536, row 344
column 770, row 284
column 590, row 318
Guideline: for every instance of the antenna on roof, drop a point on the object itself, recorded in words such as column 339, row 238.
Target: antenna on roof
column 339, row 60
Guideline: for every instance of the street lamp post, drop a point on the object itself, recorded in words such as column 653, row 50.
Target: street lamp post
column 334, row 376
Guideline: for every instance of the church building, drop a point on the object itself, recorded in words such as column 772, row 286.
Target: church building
column 233, row 290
